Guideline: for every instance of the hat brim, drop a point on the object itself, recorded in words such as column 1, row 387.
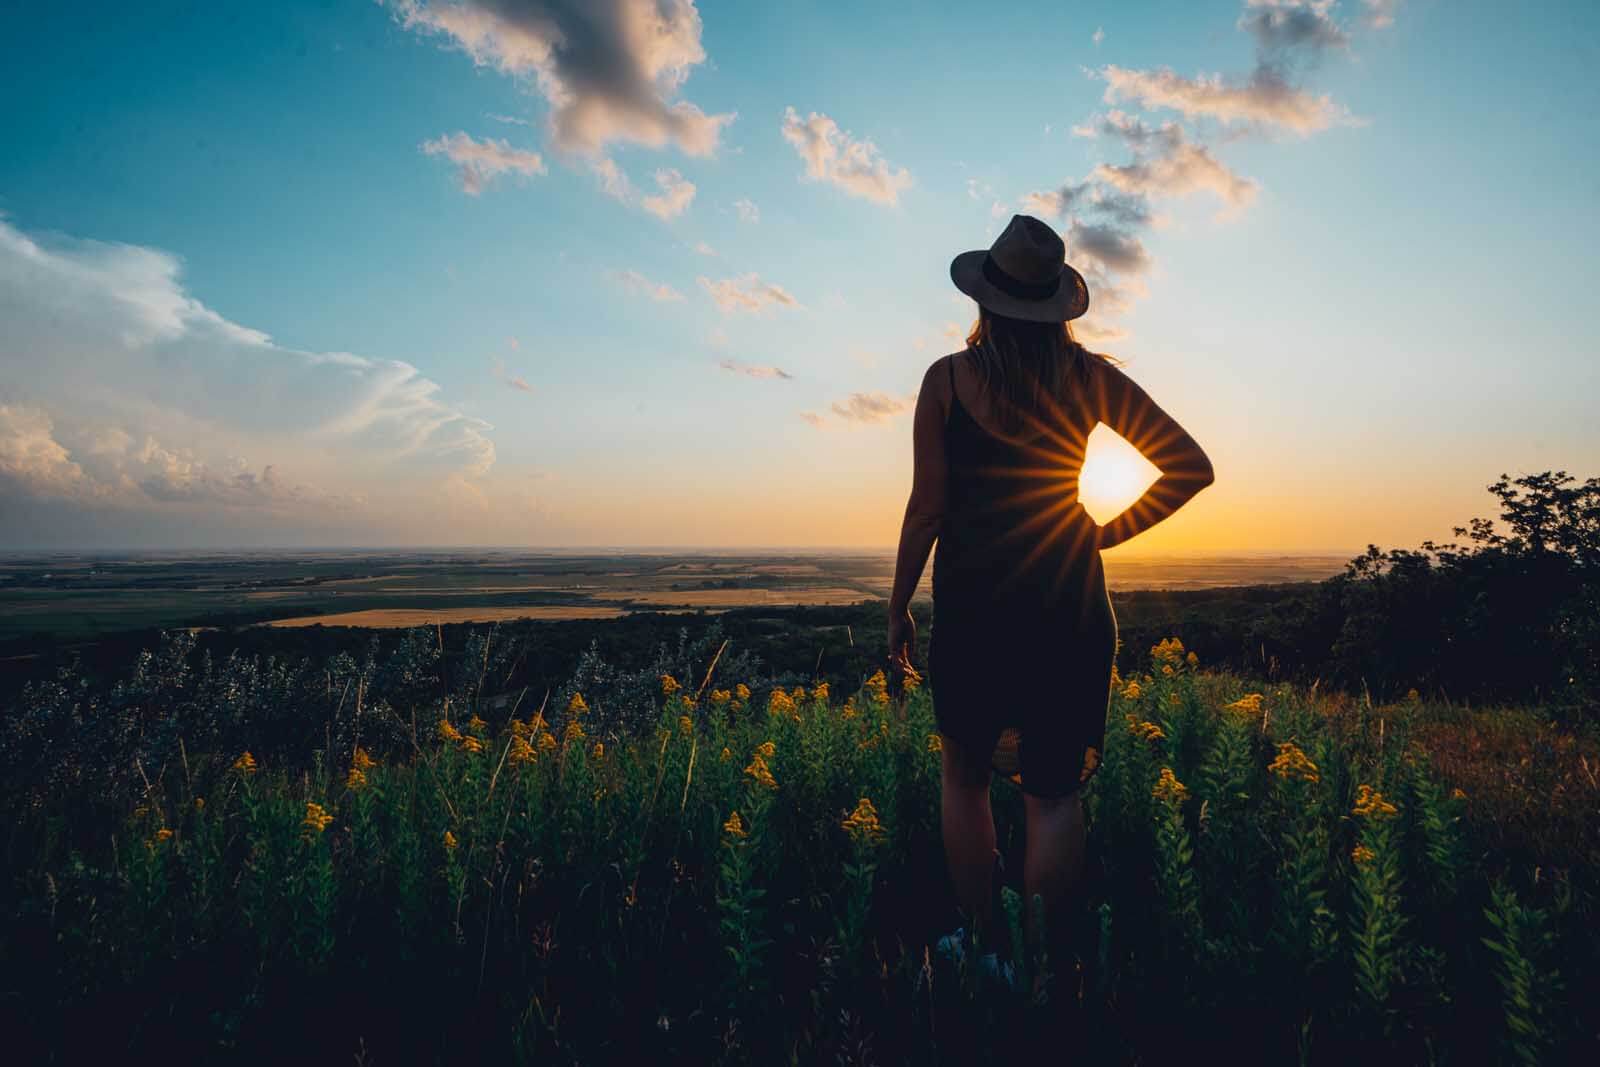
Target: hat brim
column 1069, row 302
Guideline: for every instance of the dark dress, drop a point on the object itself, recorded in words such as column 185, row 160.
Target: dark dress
column 1023, row 633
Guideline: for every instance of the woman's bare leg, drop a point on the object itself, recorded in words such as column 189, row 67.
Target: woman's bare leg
column 1053, row 863
column 968, row 826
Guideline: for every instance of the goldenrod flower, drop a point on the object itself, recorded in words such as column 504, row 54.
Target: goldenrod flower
column 849, row 709
column 450, row 841
column 862, row 824
column 766, row 750
column 1458, row 794
column 798, row 694
column 471, row 744
column 520, row 751
column 742, row 691
column 1412, row 696
column 935, row 743
column 1169, row 651
column 316, row 819
column 200, row 802
column 685, row 725
column 1116, row 676
column 448, row 731
column 355, row 780
column 1192, row 660
column 163, row 834
column 1362, row 854
column 669, row 685
column 1091, row 760
column 1132, row 690
column 1169, row 789
column 476, row 725
column 519, row 728
column 547, row 741
column 781, row 703
column 1292, row 762
column 1166, row 668
column 1249, row 704
column 576, row 706
column 726, row 755
column 820, row 693
column 361, row 761
column 245, row 764
column 574, row 732
column 599, row 751
column 877, row 688
column 1370, row 802
column 720, row 697
column 687, row 701
column 912, row 680
column 1148, row 731
column 760, row 773
column 734, row 827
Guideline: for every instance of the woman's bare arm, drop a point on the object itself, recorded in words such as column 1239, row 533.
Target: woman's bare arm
column 925, row 508
column 1185, row 468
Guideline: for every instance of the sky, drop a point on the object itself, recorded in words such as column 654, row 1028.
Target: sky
column 617, row 273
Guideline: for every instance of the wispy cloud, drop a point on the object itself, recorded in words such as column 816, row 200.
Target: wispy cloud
column 755, row 371
column 480, row 162
column 747, row 209
column 703, row 249
column 747, row 293
column 833, row 156
column 610, row 70
column 677, row 192
column 659, row 291
column 1265, row 98
column 512, row 381
column 871, row 407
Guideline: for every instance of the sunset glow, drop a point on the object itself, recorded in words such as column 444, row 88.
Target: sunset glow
column 1114, row 475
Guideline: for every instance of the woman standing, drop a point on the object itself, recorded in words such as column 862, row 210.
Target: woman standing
column 1023, row 632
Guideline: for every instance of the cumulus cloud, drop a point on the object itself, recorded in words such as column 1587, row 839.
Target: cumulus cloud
column 747, row 209
column 870, row 407
column 747, row 292
column 611, row 70
column 755, row 371
column 120, row 389
column 831, row 155
column 1166, row 165
column 479, row 162
column 658, row 291
column 1266, row 98
column 1281, row 25
column 1111, row 247
column 676, row 194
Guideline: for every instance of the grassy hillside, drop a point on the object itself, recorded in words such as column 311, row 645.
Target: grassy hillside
column 1276, row 874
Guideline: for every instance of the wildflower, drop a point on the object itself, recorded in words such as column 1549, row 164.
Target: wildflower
column 1148, row 731
column 1166, row 669
column 1169, row 789
column 1168, row 651
column 245, row 764
column 361, row 761
column 316, row 819
column 877, row 688
column 450, row 841
column 1292, row 763
column 912, row 681
column 726, row 754
column 476, row 725
column 780, row 703
column 448, row 731
column 574, row 732
column 742, row 691
column 862, row 824
column 1370, row 802
column 1362, row 854
column 760, row 773
column 685, row 725
column 599, row 751
column 471, row 744
column 519, row 728
column 200, row 802
column 163, row 834
column 520, row 751
column 1091, row 760
column 820, row 693
column 547, row 741
column 766, row 750
column 1116, row 677
column 1192, row 660
column 576, row 706
column 798, row 694
column 734, row 827
column 355, row 780
column 669, row 685
column 849, row 710
column 1412, row 696
column 1458, row 793
column 935, row 743
column 1249, row 704
column 1132, row 691
column 687, row 701
column 720, row 697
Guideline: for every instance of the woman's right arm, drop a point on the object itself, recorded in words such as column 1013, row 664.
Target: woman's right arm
column 1185, row 468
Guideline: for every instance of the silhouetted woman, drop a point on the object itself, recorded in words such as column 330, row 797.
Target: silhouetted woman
column 1023, row 633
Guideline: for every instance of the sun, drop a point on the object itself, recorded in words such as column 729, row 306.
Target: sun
column 1114, row 475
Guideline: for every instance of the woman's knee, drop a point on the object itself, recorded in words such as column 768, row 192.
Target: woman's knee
column 963, row 769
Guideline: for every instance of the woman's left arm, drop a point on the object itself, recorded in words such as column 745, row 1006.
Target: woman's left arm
column 924, row 510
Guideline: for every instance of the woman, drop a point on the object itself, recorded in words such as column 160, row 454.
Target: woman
column 1023, row 633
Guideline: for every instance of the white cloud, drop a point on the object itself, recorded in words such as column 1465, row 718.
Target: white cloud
column 511, row 381
column 748, row 211
column 658, row 291
column 753, row 370
column 677, row 192
column 1098, row 36
column 611, row 70
column 704, row 249
column 1281, row 25
column 1380, row 13
column 747, row 293
column 612, row 179
column 480, row 162
column 1266, row 98
column 871, row 407
column 831, row 155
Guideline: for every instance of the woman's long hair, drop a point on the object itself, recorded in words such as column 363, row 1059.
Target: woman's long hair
column 1021, row 363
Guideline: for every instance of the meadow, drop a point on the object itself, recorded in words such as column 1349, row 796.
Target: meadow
column 752, row 875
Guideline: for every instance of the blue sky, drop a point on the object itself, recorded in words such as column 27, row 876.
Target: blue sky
column 1358, row 278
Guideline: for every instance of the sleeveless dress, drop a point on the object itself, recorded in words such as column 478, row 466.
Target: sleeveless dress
column 1023, row 633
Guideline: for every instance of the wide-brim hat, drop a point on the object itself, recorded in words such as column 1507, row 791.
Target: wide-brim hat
column 1023, row 275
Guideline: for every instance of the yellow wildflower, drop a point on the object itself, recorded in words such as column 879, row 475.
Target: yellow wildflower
column 1149, row 731
column 576, row 705
column 574, row 732
column 163, row 834
column 798, row 694
column 1168, row 651
column 361, row 761
column 355, row 780
column 766, row 750
column 849, row 709
column 912, row 681
column 1116, row 676
column 687, row 701
column 476, row 725
column 862, row 824
column 245, row 764
column 1132, row 691
column 1458, row 793
column 1412, row 696
column 1249, row 704
column 760, row 773
column 450, row 841
column 599, row 751
column 685, row 725
column 669, row 685
column 877, row 688
column 742, row 691
column 200, row 802
column 726, row 755
column 1192, row 660
column 935, row 743
column 1169, row 789
column 316, row 819
column 820, row 693
column 720, row 697
column 547, row 741
column 1166, row 668
column 519, row 728
column 1091, row 760
column 734, row 827
column 1370, row 803
column 1292, row 762
column 520, row 751
column 448, row 731
column 780, row 703
column 1362, row 854
column 471, row 744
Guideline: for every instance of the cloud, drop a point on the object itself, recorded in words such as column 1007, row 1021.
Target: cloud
column 704, row 249
column 747, row 293
column 658, row 291
column 1380, row 13
column 612, row 179
column 1098, row 36
column 121, row 389
column 1282, row 25
column 611, row 70
column 814, row 419
column 509, row 120
column 1265, row 99
column 1112, row 248
column 755, row 371
column 510, row 380
column 1166, row 165
column 832, row 155
column 870, row 407
column 480, row 162
column 748, row 212
column 676, row 194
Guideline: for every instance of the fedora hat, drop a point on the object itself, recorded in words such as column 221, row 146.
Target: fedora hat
column 1023, row 275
